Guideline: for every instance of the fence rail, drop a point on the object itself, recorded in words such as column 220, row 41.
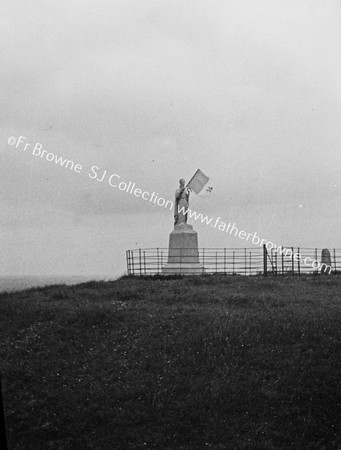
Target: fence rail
column 240, row 261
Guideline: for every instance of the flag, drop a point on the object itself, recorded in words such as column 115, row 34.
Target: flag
column 198, row 182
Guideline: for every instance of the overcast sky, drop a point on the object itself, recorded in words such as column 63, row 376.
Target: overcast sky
column 246, row 90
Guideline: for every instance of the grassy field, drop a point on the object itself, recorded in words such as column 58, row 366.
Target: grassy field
column 190, row 363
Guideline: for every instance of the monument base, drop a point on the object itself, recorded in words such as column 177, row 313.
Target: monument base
column 183, row 269
column 183, row 254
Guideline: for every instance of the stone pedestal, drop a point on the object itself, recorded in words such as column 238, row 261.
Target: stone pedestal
column 183, row 254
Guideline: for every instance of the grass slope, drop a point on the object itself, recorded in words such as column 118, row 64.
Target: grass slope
column 190, row 363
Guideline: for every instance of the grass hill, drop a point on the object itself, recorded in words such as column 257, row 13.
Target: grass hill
column 213, row 362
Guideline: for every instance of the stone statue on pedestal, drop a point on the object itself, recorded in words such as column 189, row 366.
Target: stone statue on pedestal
column 181, row 203
column 183, row 252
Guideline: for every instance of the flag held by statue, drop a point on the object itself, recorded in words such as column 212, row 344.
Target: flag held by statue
column 198, row 182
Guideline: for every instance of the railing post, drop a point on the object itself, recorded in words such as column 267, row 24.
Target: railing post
column 233, row 253
column 299, row 263
column 265, row 261
column 140, row 261
column 292, row 261
column 245, row 261
column 144, row 262
column 132, row 261
column 317, row 270
column 158, row 260
column 225, row 261
column 334, row 262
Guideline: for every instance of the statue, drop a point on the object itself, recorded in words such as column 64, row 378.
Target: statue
column 183, row 251
column 181, row 203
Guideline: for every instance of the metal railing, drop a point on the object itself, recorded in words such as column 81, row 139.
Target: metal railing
column 309, row 262
column 236, row 261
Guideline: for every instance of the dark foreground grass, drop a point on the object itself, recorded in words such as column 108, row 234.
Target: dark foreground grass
column 193, row 363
